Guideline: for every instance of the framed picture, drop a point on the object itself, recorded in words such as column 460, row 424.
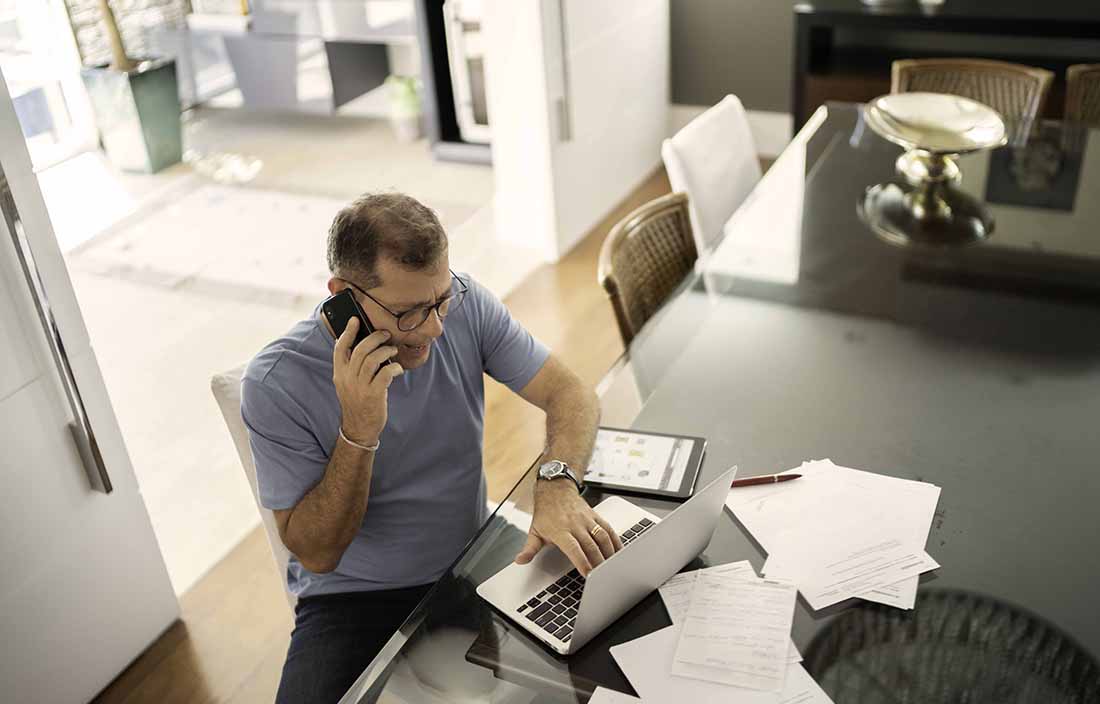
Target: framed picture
column 1042, row 173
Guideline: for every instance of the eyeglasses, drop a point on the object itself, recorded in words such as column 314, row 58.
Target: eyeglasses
column 415, row 317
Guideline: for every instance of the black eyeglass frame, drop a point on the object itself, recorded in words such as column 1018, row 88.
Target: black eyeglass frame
column 429, row 308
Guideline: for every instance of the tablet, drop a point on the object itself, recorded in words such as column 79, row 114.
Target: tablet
column 642, row 462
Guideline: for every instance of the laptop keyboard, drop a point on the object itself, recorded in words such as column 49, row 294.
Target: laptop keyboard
column 554, row 609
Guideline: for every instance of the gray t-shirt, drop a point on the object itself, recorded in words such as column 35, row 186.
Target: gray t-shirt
column 427, row 493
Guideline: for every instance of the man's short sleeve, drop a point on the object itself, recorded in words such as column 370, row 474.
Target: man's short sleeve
column 509, row 353
column 289, row 459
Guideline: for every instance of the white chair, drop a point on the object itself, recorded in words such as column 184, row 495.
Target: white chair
column 713, row 159
column 227, row 391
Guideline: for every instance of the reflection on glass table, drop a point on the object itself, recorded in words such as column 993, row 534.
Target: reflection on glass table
column 798, row 237
column 953, row 642
column 804, row 336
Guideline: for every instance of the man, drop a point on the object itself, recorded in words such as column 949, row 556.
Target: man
column 373, row 471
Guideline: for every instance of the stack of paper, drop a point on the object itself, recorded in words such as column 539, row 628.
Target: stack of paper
column 839, row 533
column 729, row 642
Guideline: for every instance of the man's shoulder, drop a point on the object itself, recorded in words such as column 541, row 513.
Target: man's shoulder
column 476, row 290
column 284, row 361
column 481, row 303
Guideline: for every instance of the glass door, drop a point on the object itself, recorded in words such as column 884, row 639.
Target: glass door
column 39, row 58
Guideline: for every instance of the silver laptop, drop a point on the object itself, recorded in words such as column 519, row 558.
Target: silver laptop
column 549, row 599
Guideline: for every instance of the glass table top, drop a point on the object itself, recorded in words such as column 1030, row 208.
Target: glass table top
column 804, row 336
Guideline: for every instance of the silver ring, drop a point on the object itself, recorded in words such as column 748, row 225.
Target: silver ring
column 595, row 530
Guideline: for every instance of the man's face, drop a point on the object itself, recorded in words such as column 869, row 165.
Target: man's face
column 404, row 290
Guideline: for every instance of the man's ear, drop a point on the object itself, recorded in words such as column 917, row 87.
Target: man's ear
column 336, row 285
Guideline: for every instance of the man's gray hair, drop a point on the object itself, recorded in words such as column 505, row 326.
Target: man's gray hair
column 389, row 224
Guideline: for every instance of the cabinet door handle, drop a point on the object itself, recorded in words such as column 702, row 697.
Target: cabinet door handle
column 564, row 103
column 80, row 427
column 564, row 128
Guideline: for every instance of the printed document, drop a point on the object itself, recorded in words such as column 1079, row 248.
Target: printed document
column 676, row 593
column 839, row 532
column 737, row 631
column 647, row 663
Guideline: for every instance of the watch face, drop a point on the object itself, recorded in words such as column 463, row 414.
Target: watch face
column 551, row 469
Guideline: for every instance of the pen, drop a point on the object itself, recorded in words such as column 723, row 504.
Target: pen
column 769, row 479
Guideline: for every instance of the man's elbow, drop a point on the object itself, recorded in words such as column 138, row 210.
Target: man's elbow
column 318, row 564
column 317, row 561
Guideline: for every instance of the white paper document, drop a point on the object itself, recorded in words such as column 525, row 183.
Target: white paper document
column 839, row 532
column 769, row 511
column 803, row 689
column 827, row 574
column 737, row 631
column 902, row 594
column 828, row 496
column 611, row 696
column 676, row 593
column 647, row 663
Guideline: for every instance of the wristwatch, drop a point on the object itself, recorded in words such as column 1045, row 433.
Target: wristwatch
column 556, row 468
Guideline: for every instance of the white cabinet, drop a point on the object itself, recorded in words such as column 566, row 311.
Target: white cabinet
column 84, row 588
column 578, row 101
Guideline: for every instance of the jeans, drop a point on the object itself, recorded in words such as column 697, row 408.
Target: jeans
column 335, row 638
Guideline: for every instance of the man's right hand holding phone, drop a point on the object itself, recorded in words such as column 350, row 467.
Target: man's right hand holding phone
column 362, row 381
column 319, row 528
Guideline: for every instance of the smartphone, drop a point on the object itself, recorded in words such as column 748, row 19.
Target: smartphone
column 341, row 308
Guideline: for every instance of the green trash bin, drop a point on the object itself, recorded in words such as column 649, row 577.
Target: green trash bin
column 138, row 114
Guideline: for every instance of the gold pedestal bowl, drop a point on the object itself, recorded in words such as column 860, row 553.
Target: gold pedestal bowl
column 925, row 206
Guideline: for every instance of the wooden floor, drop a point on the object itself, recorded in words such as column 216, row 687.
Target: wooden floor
column 235, row 626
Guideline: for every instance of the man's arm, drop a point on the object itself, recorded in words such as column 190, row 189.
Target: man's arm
column 319, row 528
column 561, row 516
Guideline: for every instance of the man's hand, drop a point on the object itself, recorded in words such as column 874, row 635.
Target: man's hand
column 562, row 518
column 362, row 382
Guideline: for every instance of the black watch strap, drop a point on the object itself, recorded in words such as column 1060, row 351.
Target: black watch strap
column 578, row 482
column 563, row 470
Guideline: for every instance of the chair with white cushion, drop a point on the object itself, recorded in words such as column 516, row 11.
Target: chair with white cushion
column 713, row 159
column 227, row 391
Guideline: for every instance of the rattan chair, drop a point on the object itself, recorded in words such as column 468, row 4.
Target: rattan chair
column 1083, row 94
column 644, row 258
column 1017, row 92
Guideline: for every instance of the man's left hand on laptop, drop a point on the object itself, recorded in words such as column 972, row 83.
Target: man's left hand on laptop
column 562, row 518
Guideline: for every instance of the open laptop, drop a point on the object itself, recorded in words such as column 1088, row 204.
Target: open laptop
column 551, row 601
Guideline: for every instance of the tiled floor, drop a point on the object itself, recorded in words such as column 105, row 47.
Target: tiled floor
column 181, row 277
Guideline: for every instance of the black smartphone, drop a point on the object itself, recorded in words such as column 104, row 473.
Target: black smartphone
column 341, row 308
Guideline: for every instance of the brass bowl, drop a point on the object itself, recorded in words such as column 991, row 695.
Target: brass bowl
column 934, row 129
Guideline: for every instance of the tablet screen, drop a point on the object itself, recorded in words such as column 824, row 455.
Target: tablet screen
column 640, row 461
